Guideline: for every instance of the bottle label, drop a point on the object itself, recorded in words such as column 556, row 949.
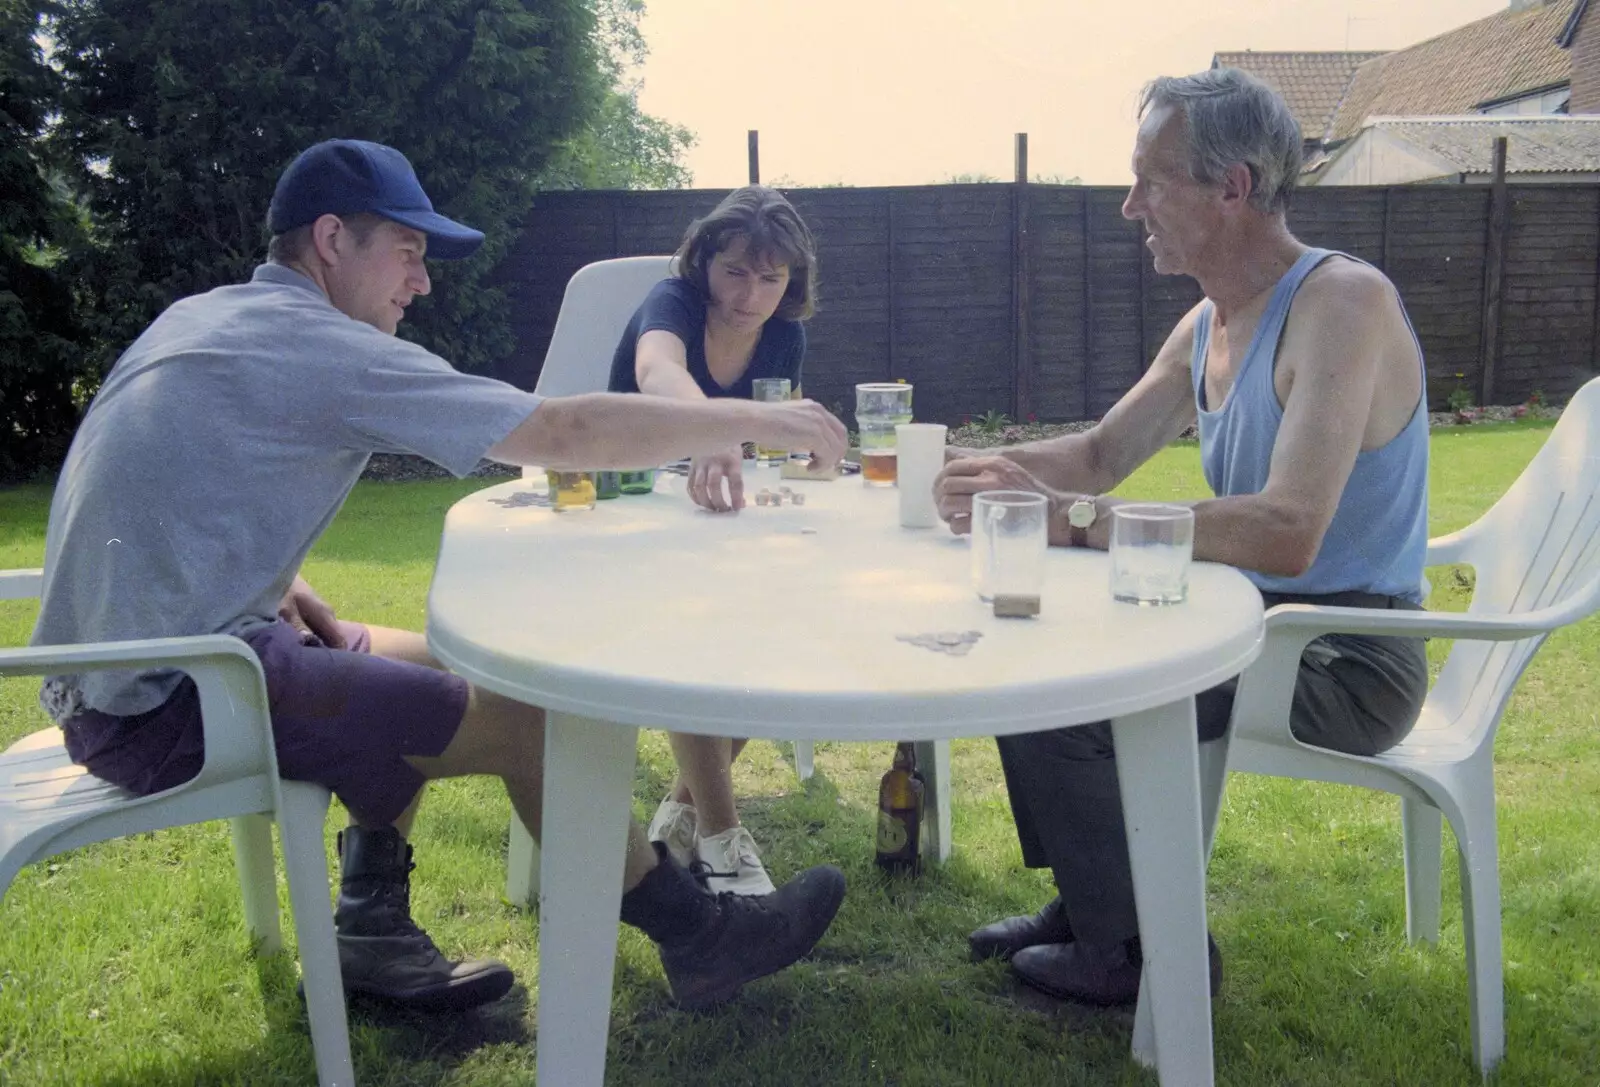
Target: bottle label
column 892, row 835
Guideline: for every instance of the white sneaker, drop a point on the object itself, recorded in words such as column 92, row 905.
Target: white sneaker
column 732, row 854
column 674, row 826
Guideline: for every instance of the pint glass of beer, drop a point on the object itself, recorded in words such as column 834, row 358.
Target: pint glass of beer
column 880, row 407
column 770, row 390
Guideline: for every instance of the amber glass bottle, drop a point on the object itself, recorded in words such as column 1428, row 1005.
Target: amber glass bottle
column 900, row 814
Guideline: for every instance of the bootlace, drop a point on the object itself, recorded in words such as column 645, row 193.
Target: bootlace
column 396, row 895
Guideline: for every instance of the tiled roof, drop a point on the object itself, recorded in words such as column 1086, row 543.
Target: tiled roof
column 1311, row 83
column 1505, row 54
column 1534, row 145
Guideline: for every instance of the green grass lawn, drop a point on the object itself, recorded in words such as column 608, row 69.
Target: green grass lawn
column 128, row 963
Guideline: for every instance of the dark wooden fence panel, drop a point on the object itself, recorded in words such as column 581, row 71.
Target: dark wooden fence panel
column 1436, row 244
column 849, row 340
column 938, row 285
column 951, row 297
column 1059, row 301
column 1347, row 219
column 1548, row 312
column 1114, row 333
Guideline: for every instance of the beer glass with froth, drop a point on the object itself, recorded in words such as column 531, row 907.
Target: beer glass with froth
column 880, row 407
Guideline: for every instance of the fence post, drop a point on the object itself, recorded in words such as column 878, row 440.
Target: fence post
column 1021, row 269
column 754, row 140
column 894, row 309
column 1494, row 270
column 1594, row 326
column 1088, row 306
column 1388, row 224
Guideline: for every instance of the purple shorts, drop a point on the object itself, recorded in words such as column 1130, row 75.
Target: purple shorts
column 341, row 718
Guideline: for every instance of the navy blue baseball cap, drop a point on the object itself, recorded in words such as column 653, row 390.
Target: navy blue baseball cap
column 348, row 177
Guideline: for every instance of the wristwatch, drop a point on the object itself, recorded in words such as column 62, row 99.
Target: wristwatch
column 1080, row 515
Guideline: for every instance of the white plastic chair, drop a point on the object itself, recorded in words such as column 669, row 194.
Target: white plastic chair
column 595, row 309
column 48, row 805
column 598, row 303
column 1537, row 558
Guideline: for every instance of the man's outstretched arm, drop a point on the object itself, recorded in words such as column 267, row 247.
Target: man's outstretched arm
column 622, row 430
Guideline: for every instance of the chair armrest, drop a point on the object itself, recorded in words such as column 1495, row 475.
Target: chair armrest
column 1447, row 550
column 233, row 693
column 1305, row 622
column 1266, row 689
column 21, row 584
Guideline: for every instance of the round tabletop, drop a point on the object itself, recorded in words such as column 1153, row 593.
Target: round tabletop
column 793, row 621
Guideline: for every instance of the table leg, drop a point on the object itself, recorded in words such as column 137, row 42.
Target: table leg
column 587, row 785
column 805, row 759
column 933, row 759
column 1159, row 773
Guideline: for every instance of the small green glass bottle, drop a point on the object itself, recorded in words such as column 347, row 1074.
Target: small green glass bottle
column 639, row 482
column 607, row 484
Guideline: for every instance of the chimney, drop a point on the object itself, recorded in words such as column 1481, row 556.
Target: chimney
column 1584, row 51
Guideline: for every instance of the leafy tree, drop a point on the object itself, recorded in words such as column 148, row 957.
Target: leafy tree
column 185, row 112
column 787, row 181
column 39, row 333
column 621, row 147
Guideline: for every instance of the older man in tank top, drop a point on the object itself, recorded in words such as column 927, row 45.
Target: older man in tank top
column 1305, row 378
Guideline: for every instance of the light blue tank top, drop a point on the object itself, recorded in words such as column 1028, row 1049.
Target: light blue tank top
column 1379, row 535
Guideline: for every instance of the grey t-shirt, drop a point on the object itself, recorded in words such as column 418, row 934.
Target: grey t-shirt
column 219, row 448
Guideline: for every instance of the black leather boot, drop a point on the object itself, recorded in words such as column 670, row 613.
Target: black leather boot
column 1006, row 937
column 382, row 952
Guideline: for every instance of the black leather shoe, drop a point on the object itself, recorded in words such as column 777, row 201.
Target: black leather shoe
column 1105, row 975
column 1004, row 939
column 382, row 952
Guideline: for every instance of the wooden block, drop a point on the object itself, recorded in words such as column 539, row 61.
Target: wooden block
column 1015, row 607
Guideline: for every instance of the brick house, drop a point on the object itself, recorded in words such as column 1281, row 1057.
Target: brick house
column 1431, row 112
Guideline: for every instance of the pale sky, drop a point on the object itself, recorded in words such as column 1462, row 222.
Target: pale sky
column 909, row 92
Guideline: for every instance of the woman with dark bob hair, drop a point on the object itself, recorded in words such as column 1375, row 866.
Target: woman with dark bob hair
column 745, row 278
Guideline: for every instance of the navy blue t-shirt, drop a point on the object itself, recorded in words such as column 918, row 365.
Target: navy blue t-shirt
column 676, row 306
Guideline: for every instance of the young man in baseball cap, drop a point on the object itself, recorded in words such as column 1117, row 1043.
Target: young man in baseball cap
column 220, row 447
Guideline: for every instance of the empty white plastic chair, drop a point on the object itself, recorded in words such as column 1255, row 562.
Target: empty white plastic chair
column 48, row 805
column 1536, row 555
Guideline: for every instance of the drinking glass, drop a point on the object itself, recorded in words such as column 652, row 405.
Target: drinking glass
column 919, row 449
column 770, row 390
column 1009, row 539
column 571, row 490
column 880, row 407
column 1152, row 545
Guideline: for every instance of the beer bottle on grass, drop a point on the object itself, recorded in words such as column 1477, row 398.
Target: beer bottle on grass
column 900, row 814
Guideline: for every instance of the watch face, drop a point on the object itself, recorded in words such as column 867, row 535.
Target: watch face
column 1080, row 514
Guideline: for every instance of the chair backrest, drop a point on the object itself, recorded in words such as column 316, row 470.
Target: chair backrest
column 1537, row 547
column 599, row 300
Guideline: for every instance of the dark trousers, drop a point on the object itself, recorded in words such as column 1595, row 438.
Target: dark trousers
column 1359, row 695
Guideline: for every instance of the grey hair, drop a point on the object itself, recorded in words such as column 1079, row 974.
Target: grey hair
column 1231, row 117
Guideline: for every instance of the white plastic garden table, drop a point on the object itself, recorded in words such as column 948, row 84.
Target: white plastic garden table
column 782, row 623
